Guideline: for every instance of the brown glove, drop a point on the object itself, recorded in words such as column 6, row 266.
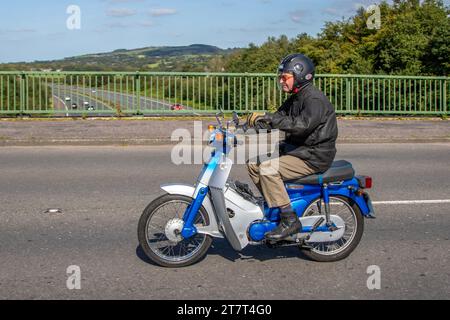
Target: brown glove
column 253, row 117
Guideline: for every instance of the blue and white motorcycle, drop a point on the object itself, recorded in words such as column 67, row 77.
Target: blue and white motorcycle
column 176, row 229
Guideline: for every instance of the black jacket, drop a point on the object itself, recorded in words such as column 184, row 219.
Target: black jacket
column 309, row 121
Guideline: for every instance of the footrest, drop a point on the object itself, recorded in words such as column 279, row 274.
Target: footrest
column 244, row 190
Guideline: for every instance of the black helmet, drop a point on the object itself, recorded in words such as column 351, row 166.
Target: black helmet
column 300, row 66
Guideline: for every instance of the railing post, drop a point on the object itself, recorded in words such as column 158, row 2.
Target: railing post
column 246, row 92
column 348, row 93
column 446, row 110
column 22, row 93
column 138, row 92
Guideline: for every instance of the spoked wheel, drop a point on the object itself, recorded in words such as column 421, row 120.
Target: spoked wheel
column 159, row 232
column 354, row 227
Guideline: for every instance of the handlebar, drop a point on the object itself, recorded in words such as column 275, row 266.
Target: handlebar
column 244, row 127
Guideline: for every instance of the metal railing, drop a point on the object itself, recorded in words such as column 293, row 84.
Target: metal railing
column 120, row 93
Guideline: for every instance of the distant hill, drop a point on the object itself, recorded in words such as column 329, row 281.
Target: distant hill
column 195, row 57
column 158, row 52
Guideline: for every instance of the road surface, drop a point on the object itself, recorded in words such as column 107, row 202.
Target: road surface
column 102, row 192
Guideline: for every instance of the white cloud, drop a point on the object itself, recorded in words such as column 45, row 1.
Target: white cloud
column 162, row 12
column 20, row 30
column 333, row 12
column 146, row 24
column 124, row 1
column 297, row 16
column 120, row 12
column 345, row 8
column 119, row 25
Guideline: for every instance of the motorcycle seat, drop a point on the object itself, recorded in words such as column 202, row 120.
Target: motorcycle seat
column 339, row 171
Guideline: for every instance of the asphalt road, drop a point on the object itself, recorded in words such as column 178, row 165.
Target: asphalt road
column 129, row 101
column 64, row 107
column 103, row 190
column 106, row 101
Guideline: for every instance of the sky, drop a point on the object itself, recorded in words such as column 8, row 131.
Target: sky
column 38, row 30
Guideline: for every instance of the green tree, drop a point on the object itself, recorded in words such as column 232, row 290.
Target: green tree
column 414, row 39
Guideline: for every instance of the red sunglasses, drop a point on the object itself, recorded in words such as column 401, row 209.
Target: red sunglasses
column 285, row 77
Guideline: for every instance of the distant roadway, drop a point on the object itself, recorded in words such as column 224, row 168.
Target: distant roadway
column 103, row 101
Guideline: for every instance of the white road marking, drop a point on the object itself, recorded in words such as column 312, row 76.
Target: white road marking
column 412, row 202
column 67, row 109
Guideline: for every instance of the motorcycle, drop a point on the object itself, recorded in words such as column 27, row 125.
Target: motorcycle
column 177, row 229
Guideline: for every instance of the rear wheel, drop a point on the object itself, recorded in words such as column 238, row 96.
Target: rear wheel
column 354, row 228
column 159, row 232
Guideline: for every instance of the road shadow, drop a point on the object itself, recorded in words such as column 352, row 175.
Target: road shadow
column 222, row 248
column 260, row 253
column 141, row 255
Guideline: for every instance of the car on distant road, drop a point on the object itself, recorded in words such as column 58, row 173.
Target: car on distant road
column 88, row 106
column 177, row 106
column 68, row 99
column 74, row 106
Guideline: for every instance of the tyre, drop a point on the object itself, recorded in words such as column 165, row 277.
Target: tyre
column 159, row 231
column 354, row 228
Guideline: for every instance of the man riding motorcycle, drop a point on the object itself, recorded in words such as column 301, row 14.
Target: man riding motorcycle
column 309, row 121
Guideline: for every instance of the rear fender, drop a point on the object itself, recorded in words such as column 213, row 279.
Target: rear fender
column 359, row 200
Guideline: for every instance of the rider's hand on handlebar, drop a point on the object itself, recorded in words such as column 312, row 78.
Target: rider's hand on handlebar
column 254, row 117
column 262, row 124
column 259, row 121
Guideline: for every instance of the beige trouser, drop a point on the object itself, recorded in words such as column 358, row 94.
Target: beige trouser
column 269, row 175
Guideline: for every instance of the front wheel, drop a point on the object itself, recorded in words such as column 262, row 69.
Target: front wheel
column 354, row 228
column 159, row 232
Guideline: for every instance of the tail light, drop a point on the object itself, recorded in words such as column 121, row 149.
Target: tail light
column 365, row 182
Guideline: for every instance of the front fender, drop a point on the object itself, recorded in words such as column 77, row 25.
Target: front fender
column 188, row 190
